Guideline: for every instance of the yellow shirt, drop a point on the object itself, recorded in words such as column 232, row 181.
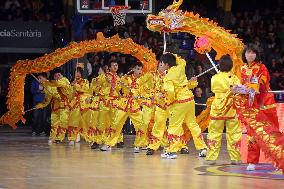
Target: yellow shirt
column 109, row 88
column 222, row 105
column 61, row 92
column 63, row 87
column 160, row 91
column 81, row 93
column 95, row 89
column 110, row 85
column 49, row 94
column 146, row 85
column 129, row 102
column 176, row 84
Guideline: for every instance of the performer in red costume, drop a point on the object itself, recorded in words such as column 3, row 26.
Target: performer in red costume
column 255, row 75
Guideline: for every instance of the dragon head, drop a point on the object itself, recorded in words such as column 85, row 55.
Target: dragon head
column 167, row 20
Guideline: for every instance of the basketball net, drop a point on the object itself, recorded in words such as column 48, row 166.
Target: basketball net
column 118, row 14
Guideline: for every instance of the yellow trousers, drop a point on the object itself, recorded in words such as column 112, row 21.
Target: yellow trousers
column 159, row 129
column 233, row 136
column 183, row 113
column 105, row 121
column 74, row 124
column 59, row 123
column 185, row 136
column 147, row 114
column 118, row 122
column 89, row 123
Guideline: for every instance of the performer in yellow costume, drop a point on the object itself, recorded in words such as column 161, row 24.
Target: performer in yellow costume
column 59, row 104
column 185, row 138
column 94, row 102
column 223, row 114
column 110, row 88
column 161, row 113
column 146, row 85
column 182, row 108
column 51, row 96
column 128, row 106
column 80, row 115
column 157, row 137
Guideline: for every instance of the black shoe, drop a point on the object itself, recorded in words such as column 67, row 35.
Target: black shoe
column 94, row 145
column 149, row 152
column 57, row 141
column 184, row 151
column 120, row 145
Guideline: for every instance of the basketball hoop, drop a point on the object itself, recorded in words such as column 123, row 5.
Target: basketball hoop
column 118, row 14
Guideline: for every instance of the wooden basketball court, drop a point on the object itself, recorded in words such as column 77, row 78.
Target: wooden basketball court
column 29, row 162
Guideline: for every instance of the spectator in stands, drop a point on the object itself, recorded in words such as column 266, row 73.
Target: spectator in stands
column 203, row 81
column 129, row 33
column 256, row 17
column 113, row 56
column 91, row 31
column 62, row 30
column 156, row 45
column 123, row 65
column 11, row 3
column 142, row 34
column 199, row 99
column 94, row 60
column 149, row 42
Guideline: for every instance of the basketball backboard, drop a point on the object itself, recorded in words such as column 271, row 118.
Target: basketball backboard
column 102, row 6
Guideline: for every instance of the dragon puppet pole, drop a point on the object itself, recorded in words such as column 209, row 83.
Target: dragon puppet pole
column 165, row 43
column 39, row 81
column 211, row 61
column 276, row 92
column 35, row 78
column 206, row 71
column 30, row 110
column 198, row 104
